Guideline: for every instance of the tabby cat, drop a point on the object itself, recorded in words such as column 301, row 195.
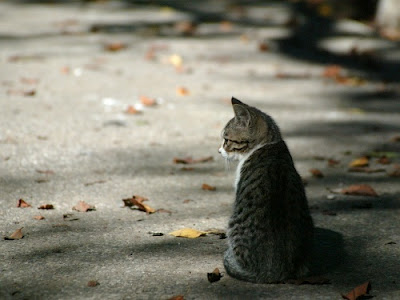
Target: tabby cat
column 270, row 232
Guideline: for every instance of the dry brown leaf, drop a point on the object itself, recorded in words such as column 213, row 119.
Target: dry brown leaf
column 358, row 291
column 16, row 235
column 187, row 201
column 92, row 283
column 146, row 101
column 182, row 91
column 190, row 160
column 332, row 162
column 82, row 206
column 46, row 206
column 384, row 160
column 214, row 276
column 395, row 139
column 263, row 47
column 22, row 204
column 316, row 173
column 360, row 162
column 208, row 187
column 131, row 110
column 38, row 217
column 114, row 46
column 138, row 202
column 178, row 297
column 332, row 71
column 359, row 190
column 188, row 233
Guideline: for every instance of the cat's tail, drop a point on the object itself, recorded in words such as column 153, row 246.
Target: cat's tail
column 235, row 270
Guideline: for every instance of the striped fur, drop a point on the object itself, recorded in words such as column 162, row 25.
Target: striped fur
column 270, row 231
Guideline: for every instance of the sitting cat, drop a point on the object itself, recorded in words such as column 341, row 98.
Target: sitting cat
column 270, row 232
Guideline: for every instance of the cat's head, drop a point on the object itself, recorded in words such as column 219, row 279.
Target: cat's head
column 249, row 129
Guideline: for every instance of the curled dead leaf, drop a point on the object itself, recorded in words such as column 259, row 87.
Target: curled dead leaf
column 316, row 173
column 22, row 204
column 360, row 162
column 38, row 217
column 208, row 187
column 16, row 235
column 359, row 190
column 214, row 276
column 82, row 206
column 358, row 291
column 263, row 47
column 189, row 233
column 138, row 202
column 46, row 206
column 114, row 46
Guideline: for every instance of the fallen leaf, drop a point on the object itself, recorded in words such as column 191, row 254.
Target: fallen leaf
column 190, row 160
column 188, row 233
column 186, row 27
column 315, row 280
column 138, row 201
column 82, row 206
column 359, row 190
column 92, row 283
column 131, row 110
column 38, row 217
column 263, row 47
column 146, row 101
column 179, row 297
column 214, row 276
column 182, row 91
column 365, row 170
column 395, row 139
column 316, row 173
column 156, row 233
column 187, row 200
column 22, row 204
column 358, row 291
column 16, row 235
column 46, row 206
column 207, row 187
column 331, row 71
column 384, row 160
column 114, row 46
column 332, row 162
column 360, row 162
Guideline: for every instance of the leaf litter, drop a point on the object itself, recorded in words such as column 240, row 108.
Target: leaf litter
column 82, row 206
column 208, row 187
column 23, row 204
column 46, row 206
column 137, row 201
column 214, row 276
column 16, row 235
column 359, row 190
column 359, row 291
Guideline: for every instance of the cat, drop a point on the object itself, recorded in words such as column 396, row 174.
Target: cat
column 270, row 232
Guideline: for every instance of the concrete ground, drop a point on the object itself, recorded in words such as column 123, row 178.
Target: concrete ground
column 65, row 137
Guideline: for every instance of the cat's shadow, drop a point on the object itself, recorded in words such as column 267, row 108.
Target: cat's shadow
column 328, row 251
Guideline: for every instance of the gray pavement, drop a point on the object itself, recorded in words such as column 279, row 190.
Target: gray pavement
column 65, row 136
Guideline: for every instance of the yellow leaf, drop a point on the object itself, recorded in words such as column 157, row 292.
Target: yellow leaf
column 187, row 233
column 360, row 162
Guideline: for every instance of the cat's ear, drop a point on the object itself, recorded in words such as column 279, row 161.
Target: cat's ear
column 242, row 113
